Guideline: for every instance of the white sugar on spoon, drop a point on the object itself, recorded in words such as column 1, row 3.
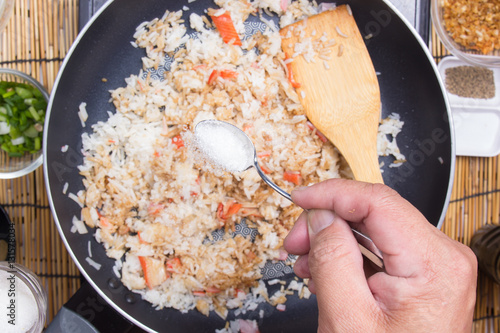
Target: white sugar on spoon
column 228, row 147
column 223, row 146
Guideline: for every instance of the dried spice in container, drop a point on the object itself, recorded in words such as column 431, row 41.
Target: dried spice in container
column 470, row 82
column 475, row 24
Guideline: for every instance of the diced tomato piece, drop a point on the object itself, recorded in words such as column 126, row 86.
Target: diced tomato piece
column 199, row 293
column 293, row 177
column 141, row 240
column 212, row 290
column 201, row 66
column 213, row 76
column 263, row 154
column 225, row 74
column 228, row 74
column 225, row 26
column 229, row 209
column 209, row 290
column 174, row 265
column 220, row 211
column 291, row 79
column 105, row 223
column 247, row 127
column 320, row 135
column 265, row 169
column 177, row 140
column 237, row 291
column 233, row 209
column 154, row 271
column 250, row 211
column 284, row 5
column 155, row 208
column 141, row 87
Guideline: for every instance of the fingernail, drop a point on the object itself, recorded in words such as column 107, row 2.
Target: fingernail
column 319, row 219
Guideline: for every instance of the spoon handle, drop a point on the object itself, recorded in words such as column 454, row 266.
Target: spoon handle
column 366, row 245
column 270, row 182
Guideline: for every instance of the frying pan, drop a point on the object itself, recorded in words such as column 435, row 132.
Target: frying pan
column 409, row 85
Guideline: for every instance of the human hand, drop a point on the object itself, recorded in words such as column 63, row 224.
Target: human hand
column 429, row 282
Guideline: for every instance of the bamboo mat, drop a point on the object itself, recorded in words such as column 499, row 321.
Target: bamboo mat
column 36, row 40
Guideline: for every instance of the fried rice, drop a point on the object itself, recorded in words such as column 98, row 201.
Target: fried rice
column 155, row 208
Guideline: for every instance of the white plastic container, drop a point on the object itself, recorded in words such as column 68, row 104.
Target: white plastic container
column 476, row 121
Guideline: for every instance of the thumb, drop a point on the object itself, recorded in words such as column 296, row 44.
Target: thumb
column 336, row 267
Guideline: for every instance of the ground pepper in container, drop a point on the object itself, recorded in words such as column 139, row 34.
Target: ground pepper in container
column 470, row 82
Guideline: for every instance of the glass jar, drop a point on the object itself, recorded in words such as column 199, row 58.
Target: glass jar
column 23, row 299
column 486, row 245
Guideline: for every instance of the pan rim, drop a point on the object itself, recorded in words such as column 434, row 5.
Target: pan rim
column 79, row 263
column 448, row 109
column 72, row 254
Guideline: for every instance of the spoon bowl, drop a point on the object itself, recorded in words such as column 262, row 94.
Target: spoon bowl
column 211, row 133
column 228, row 147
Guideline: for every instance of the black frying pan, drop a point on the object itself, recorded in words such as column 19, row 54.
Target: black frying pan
column 409, row 86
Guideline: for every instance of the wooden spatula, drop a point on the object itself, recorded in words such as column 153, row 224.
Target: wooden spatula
column 339, row 90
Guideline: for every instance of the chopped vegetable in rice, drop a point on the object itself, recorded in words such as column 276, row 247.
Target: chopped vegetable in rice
column 156, row 209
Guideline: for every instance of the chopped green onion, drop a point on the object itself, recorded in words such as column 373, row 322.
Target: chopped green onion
column 38, row 143
column 22, row 113
column 33, row 112
column 23, row 92
column 31, row 132
column 9, row 94
column 18, row 141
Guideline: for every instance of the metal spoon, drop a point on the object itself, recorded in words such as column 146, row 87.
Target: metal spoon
column 245, row 151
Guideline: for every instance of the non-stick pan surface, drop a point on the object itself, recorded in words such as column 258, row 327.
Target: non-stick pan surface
column 409, row 86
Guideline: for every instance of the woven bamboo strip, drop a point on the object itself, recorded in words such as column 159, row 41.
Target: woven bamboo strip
column 39, row 30
column 469, row 210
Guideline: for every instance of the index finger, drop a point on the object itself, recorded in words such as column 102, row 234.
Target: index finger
column 396, row 227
